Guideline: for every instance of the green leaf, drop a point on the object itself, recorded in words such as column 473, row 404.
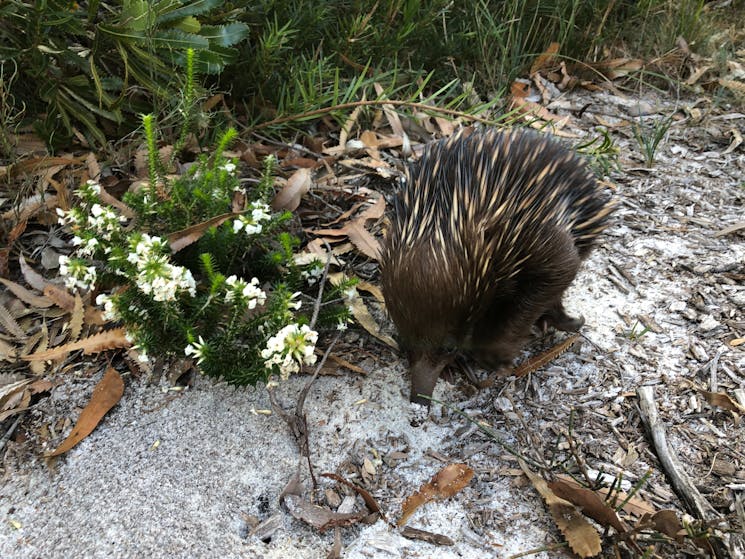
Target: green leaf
column 189, row 25
column 192, row 9
column 225, row 35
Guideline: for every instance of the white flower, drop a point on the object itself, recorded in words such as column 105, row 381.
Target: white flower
column 341, row 325
column 292, row 346
column 196, row 349
column 350, row 294
column 64, row 261
column 229, row 167
column 105, row 301
column 76, row 273
column 240, row 290
column 252, row 224
column 292, row 304
column 142, row 356
column 88, row 247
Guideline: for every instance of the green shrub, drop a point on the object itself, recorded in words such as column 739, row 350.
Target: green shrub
column 231, row 298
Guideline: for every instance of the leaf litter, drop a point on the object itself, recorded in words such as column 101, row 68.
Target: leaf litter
column 676, row 247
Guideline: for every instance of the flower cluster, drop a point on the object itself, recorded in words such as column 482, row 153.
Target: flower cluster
column 156, row 275
column 292, row 346
column 76, row 273
column 248, row 293
column 105, row 221
column 251, row 222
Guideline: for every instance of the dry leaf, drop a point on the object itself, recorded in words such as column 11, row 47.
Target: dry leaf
column 580, row 535
column 32, row 277
column 182, row 239
column 319, row 517
column 366, row 320
column 722, row 400
column 545, row 59
column 445, row 483
column 289, row 197
column 9, row 323
column 26, row 296
column 363, row 240
column 370, row 501
column 60, row 297
column 666, row 522
column 589, row 502
column 109, row 339
column 106, row 394
column 76, row 320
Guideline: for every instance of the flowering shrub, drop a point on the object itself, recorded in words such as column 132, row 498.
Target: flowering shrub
column 231, row 300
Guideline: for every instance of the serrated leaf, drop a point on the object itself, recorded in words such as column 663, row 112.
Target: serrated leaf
column 225, row 35
column 191, row 9
column 109, row 339
column 579, row 533
column 76, row 320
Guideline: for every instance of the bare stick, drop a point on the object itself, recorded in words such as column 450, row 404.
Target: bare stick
column 682, row 484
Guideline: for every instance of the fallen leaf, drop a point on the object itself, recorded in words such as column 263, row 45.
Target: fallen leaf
column 25, row 295
column 546, row 58
column 183, row 238
column 76, row 320
column 589, row 502
column 32, row 277
column 445, row 483
column 108, row 339
column 723, row 400
column 106, row 394
column 365, row 319
column 289, row 197
column 60, row 297
column 667, row 522
column 580, row 535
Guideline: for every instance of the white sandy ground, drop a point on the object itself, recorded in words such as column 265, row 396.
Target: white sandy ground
column 115, row 496
column 174, row 477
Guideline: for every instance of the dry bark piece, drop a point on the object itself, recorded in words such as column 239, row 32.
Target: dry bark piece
column 679, row 479
column 319, row 517
column 535, row 363
column 370, row 501
column 580, row 535
column 106, row 394
column 423, row 535
column 443, row 485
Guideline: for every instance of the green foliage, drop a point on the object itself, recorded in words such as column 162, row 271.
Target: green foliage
column 92, row 67
column 95, row 67
column 649, row 135
column 231, row 299
column 302, row 55
column 601, row 151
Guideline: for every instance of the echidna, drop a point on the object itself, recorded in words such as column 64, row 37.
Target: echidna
column 487, row 233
